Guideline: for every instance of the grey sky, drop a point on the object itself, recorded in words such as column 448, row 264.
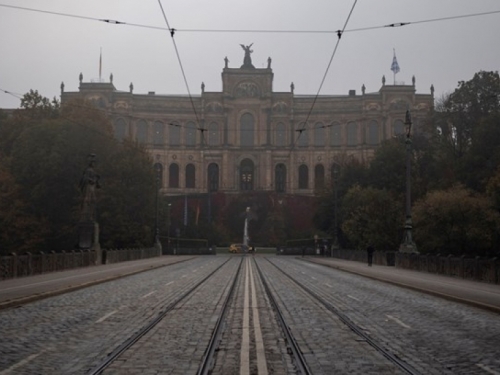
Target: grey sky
column 39, row 51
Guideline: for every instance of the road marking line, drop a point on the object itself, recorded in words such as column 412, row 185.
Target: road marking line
column 328, row 285
column 354, row 298
column 147, row 295
column 106, row 316
column 312, row 277
column 398, row 321
column 183, row 276
column 167, row 284
column 21, row 363
column 259, row 342
column 245, row 338
column 487, row 369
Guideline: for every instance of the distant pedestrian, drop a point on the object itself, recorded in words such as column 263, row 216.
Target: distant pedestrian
column 370, row 250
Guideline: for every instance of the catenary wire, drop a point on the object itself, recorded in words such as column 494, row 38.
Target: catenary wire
column 339, row 36
column 262, row 31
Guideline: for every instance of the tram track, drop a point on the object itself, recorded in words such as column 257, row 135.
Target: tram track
column 393, row 358
column 293, row 347
column 128, row 344
column 209, row 355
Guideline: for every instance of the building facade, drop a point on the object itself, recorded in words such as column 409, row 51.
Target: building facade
column 250, row 138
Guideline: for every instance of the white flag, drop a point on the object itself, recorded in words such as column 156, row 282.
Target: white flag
column 395, row 65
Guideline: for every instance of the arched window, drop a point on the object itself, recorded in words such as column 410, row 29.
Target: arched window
column 280, row 134
column 247, row 130
column 190, row 133
column 398, row 128
column 190, row 176
column 120, row 129
column 335, row 135
column 173, row 176
column 141, row 132
column 319, row 134
column 213, row 177
column 280, row 178
column 373, row 137
column 302, row 135
column 158, row 167
column 303, row 177
column 352, row 134
column 246, row 175
column 174, row 134
column 319, row 177
column 213, row 134
column 158, row 133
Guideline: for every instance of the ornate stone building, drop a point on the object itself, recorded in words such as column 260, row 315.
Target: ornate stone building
column 250, row 138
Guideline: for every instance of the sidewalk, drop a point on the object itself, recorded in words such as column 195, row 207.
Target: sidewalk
column 21, row 290
column 482, row 295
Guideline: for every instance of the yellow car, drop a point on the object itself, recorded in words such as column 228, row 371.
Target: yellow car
column 236, row 248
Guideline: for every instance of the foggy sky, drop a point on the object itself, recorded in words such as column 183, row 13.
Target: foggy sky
column 39, row 51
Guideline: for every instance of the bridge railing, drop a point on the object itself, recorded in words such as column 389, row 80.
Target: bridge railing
column 28, row 264
column 478, row 269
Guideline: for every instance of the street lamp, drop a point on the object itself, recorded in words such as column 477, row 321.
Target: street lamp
column 336, row 173
column 245, row 228
column 158, row 169
column 408, row 246
column 168, row 227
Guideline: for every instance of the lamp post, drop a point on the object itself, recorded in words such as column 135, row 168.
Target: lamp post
column 168, row 227
column 157, row 230
column 336, row 173
column 408, row 246
column 245, row 228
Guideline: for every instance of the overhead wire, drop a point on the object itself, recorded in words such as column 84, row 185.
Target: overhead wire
column 200, row 128
column 339, row 36
column 174, row 30
column 261, row 31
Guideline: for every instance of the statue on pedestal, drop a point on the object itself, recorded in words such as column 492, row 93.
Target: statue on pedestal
column 88, row 183
column 247, row 60
column 88, row 228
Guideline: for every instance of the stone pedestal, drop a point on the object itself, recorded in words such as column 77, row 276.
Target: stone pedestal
column 88, row 238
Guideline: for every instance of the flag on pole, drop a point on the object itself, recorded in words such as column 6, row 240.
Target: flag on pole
column 185, row 210
column 100, row 65
column 197, row 213
column 395, row 65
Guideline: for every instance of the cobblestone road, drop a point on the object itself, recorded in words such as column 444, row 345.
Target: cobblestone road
column 72, row 333
column 435, row 336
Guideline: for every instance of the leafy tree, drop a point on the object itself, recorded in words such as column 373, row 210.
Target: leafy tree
column 466, row 106
column 351, row 173
column 387, row 168
column 456, row 221
column 47, row 155
column 484, row 154
column 127, row 198
column 38, row 107
column 20, row 232
column 372, row 216
column 493, row 188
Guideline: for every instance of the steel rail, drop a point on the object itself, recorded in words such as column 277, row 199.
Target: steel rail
column 300, row 361
column 353, row 326
column 208, row 357
column 145, row 329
